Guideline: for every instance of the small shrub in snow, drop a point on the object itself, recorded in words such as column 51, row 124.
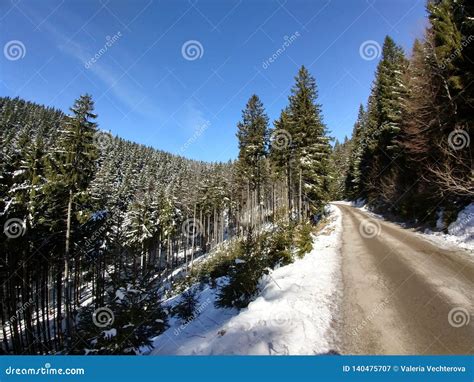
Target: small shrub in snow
column 197, row 310
column 303, row 239
column 277, row 246
column 137, row 316
column 219, row 265
column 256, row 256
column 243, row 277
column 186, row 307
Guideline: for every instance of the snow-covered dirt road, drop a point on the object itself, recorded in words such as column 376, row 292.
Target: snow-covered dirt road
column 402, row 293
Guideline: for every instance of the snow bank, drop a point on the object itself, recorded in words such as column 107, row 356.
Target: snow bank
column 460, row 232
column 294, row 313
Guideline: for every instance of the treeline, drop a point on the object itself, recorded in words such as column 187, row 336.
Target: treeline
column 96, row 228
column 284, row 170
column 410, row 150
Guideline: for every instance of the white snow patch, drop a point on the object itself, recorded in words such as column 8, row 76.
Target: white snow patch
column 18, row 172
column 440, row 220
column 359, row 203
column 110, row 333
column 119, row 294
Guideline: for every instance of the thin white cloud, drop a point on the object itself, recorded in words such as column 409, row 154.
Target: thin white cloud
column 127, row 90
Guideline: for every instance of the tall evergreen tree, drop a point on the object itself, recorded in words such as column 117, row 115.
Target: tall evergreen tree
column 450, row 39
column 253, row 148
column 384, row 118
column 281, row 156
column 310, row 144
column 79, row 153
column 353, row 179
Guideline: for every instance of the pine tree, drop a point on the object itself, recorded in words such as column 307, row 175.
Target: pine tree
column 451, row 54
column 353, row 187
column 253, row 148
column 281, row 156
column 134, row 315
column 384, row 118
column 447, row 50
column 340, row 162
column 310, row 145
column 140, row 225
column 78, row 153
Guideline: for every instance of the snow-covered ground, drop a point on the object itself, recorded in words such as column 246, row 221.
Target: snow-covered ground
column 460, row 232
column 294, row 313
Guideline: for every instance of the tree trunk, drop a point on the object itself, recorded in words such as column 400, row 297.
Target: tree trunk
column 193, row 238
column 67, row 296
column 300, row 197
column 288, row 177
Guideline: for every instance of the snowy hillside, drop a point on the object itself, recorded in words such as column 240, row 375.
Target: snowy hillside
column 293, row 314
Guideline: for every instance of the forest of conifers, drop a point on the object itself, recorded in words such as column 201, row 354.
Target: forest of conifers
column 89, row 218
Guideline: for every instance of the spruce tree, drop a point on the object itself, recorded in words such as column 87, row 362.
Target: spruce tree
column 78, row 152
column 384, row 119
column 310, row 145
column 281, row 156
column 353, row 179
column 253, row 138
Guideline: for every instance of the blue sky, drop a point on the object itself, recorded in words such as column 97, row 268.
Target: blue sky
column 150, row 89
